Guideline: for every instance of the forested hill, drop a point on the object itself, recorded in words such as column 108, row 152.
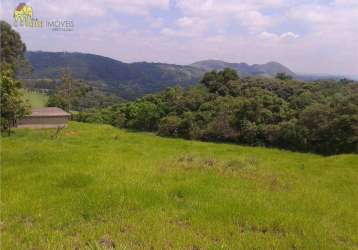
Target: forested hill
column 319, row 117
column 131, row 80
column 267, row 69
column 128, row 79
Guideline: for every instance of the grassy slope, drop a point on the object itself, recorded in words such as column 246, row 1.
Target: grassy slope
column 36, row 99
column 97, row 185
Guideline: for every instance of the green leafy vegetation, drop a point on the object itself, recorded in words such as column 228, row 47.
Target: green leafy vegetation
column 319, row 117
column 133, row 80
column 12, row 51
column 126, row 80
column 267, row 69
column 99, row 187
column 95, row 187
column 77, row 95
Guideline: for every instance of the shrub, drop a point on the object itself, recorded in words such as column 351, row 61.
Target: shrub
column 169, row 126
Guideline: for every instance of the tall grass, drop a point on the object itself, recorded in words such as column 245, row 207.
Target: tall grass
column 97, row 187
column 35, row 99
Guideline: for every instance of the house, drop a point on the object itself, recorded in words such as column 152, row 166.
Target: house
column 45, row 118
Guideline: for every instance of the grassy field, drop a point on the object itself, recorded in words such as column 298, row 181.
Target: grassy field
column 97, row 187
column 36, row 99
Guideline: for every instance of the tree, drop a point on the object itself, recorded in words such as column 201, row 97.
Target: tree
column 219, row 82
column 78, row 95
column 64, row 96
column 12, row 105
column 320, row 117
column 169, row 126
column 12, row 51
column 283, row 76
column 144, row 116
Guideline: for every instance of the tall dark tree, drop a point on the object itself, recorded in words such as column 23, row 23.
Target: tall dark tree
column 219, row 82
column 12, row 48
column 283, row 76
column 12, row 51
column 321, row 117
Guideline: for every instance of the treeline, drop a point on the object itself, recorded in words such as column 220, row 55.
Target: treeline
column 77, row 95
column 12, row 105
column 319, row 117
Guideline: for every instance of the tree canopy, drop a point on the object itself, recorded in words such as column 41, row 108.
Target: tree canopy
column 12, row 48
column 318, row 117
column 12, row 51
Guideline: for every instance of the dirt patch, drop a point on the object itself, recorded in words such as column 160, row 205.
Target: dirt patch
column 71, row 133
column 186, row 158
column 210, row 162
column 277, row 230
column 76, row 246
column 107, row 243
column 347, row 243
column 181, row 222
column 266, row 181
column 189, row 162
column 28, row 222
column 123, row 230
column 238, row 165
column 76, row 180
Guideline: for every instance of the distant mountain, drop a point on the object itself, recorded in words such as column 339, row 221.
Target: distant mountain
column 314, row 77
column 130, row 80
column 269, row 69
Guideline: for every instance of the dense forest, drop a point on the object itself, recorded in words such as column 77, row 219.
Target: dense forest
column 129, row 80
column 126, row 80
column 319, row 117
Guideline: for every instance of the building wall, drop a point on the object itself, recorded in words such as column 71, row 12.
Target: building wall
column 43, row 122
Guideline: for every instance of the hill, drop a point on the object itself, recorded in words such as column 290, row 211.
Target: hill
column 269, row 69
column 133, row 80
column 99, row 187
column 130, row 80
column 318, row 117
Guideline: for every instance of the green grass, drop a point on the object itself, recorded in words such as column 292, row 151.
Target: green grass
column 96, row 186
column 36, row 99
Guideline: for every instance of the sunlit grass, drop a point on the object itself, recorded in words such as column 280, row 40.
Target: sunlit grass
column 35, row 99
column 99, row 187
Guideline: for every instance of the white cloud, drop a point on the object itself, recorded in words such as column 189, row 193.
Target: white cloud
column 155, row 22
column 94, row 8
column 346, row 2
column 185, row 21
column 254, row 20
column 170, row 32
column 135, row 7
column 268, row 36
column 306, row 35
column 66, row 8
column 222, row 7
column 278, row 37
column 289, row 35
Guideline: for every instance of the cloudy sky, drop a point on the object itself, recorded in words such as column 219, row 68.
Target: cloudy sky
column 312, row 36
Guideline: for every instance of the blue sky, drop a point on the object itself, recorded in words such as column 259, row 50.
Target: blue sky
column 316, row 36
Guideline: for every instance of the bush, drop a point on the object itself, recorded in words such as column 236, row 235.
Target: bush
column 320, row 117
column 169, row 126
